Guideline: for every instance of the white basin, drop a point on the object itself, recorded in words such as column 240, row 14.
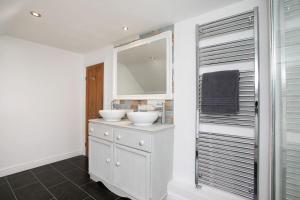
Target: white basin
column 112, row 115
column 142, row 118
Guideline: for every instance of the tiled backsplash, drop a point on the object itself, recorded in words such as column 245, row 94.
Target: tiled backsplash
column 133, row 105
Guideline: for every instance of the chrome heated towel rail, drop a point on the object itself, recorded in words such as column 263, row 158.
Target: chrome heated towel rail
column 224, row 160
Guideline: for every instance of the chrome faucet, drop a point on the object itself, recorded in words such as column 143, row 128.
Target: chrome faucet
column 163, row 112
column 112, row 103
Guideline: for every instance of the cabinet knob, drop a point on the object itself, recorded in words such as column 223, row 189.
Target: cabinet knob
column 119, row 137
column 91, row 129
column 108, row 160
column 106, row 133
column 141, row 143
column 118, row 164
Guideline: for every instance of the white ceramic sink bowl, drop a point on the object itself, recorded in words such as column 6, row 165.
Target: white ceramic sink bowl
column 112, row 115
column 142, row 118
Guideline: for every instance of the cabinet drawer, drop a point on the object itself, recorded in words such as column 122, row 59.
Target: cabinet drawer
column 101, row 131
column 134, row 139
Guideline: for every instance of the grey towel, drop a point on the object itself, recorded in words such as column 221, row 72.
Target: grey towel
column 220, row 92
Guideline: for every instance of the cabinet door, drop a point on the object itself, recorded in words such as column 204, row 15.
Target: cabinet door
column 100, row 158
column 132, row 171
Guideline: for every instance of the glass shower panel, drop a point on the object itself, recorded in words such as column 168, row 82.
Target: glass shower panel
column 286, row 85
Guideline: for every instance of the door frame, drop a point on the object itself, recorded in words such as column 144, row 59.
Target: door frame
column 86, row 130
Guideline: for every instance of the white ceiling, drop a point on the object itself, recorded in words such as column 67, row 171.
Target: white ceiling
column 86, row 25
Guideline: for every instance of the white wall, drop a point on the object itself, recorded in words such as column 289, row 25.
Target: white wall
column 41, row 104
column 183, row 184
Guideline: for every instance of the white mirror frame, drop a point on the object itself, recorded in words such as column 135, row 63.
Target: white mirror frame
column 169, row 58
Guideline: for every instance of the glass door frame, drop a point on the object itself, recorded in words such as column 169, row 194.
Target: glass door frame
column 278, row 84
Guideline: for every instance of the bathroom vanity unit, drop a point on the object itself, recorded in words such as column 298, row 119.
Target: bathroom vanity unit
column 131, row 161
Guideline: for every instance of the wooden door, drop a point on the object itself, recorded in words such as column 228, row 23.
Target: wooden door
column 94, row 95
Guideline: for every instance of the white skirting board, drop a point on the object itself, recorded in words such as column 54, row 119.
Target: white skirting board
column 37, row 163
column 184, row 191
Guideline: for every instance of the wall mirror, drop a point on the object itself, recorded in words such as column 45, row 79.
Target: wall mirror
column 143, row 69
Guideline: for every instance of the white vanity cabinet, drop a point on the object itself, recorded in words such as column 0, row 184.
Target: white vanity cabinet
column 131, row 161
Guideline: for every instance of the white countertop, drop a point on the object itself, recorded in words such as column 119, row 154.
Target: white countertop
column 128, row 124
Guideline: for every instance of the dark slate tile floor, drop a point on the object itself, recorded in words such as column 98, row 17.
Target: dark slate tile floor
column 63, row 180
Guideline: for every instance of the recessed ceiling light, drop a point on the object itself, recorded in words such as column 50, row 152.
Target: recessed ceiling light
column 35, row 14
column 125, row 28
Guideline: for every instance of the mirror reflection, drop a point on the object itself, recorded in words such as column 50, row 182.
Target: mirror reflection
column 142, row 69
